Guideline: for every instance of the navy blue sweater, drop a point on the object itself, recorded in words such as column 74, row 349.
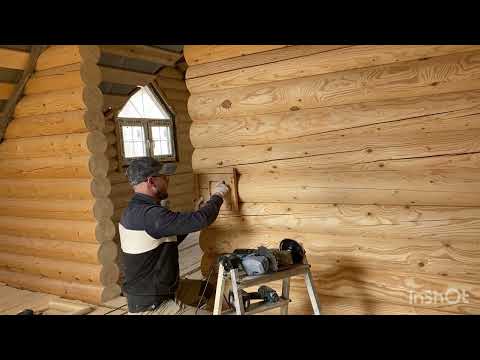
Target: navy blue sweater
column 149, row 235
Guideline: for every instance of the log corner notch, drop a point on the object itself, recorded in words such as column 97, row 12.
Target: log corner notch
column 20, row 86
column 59, row 238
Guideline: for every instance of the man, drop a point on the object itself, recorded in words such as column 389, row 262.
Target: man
column 149, row 237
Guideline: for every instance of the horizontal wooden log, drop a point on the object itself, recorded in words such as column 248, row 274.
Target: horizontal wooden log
column 404, row 189
column 56, row 167
column 267, row 57
column 117, row 178
column 83, row 98
column 406, row 79
column 169, row 83
column 71, row 230
column 112, row 152
column 335, row 305
column 71, row 122
column 347, row 58
column 111, row 138
column 61, row 55
column 448, row 232
column 182, row 118
column 90, row 293
column 81, row 144
column 398, row 288
column 200, row 54
column 360, row 214
column 173, row 94
column 106, row 274
column 64, row 77
column 100, row 208
column 110, row 126
column 419, row 137
column 115, row 102
column 178, row 106
column 13, row 59
column 104, row 253
column 367, row 284
column 171, row 72
column 127, row 77
column 6, row 90
column 55, row 189
column 143, row 52
column 292, row 125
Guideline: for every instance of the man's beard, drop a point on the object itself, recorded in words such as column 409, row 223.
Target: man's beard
column 161, row 195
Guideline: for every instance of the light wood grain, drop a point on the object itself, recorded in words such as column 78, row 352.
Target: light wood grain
column 60, row 101
column 6, row 90
column 200, row 54
column 60, row 269
column 420, row 137
column 143, row 52
column 71, row 230
column 13, row 59
column 292, row 125
column 266, row 57
column 54, row 189
column 70, row 122
column 407, row 79
column 66, row 167
column 93, row 294
column 77, row 252
column 347, row 58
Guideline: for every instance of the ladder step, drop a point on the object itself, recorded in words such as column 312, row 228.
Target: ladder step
column 248, row 281
column 259, row 307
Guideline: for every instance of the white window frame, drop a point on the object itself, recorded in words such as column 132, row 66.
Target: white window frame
column 147, row 124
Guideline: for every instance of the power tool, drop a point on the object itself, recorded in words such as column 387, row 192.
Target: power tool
column 264, row 293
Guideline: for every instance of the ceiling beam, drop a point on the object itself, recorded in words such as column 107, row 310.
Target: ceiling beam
column 19, row 87
column 143, row 52
column 6, row 90
column 13, row 59
column 127, row 77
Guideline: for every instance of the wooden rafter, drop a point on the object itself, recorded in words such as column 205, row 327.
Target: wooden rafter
column 127, row 77
column 144, row 52
column 17, row 93
column 13, row 59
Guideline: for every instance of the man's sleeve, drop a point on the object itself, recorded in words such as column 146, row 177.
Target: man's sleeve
column 161, row 221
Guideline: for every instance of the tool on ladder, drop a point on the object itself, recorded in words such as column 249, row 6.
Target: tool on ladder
column 230, row 269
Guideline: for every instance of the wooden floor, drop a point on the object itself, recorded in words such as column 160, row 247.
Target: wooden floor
column 13, row 301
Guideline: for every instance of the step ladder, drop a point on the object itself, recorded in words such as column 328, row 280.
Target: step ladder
column 240, row 281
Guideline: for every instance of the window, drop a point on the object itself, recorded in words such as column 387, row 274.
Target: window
column 145, row 127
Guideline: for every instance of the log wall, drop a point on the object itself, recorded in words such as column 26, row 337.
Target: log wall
column 368, row 155
column 56, row 230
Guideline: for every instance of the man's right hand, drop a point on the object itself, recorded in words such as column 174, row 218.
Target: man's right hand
column 221, row 189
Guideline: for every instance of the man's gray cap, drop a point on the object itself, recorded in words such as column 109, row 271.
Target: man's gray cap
column 140, row 169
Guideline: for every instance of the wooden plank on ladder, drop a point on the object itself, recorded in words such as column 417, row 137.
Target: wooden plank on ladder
column 285, row 295
column 217, row 308
column 312, row 293
column 239, row 308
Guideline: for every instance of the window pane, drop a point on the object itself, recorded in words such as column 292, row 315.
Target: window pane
column 140, row 149
column 127, row 133
column 165, row 148
column 165, row 133
column 138, row 133
column 155, row 132
column 144, row 104
column 128, row 149
column 134, row 141
column 129, row 111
